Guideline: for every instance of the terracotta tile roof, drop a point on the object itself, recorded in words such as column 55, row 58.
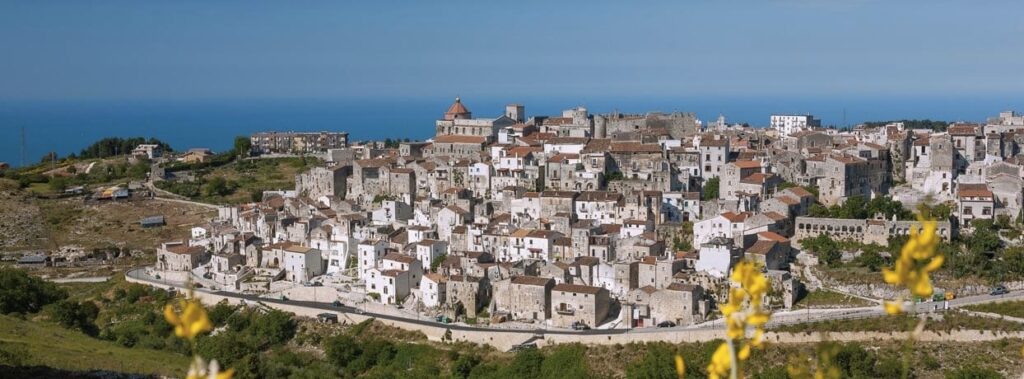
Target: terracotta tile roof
column 762, row 247
column 435, row 277
column 456, row 109
column 800, row 191
column 186, row 250
column 599, row 196
column 736, row 217
column 597, row 145
column 846, row 159
column 747, row 164
column 974, row 190
column 788, row 200
column 648, row 289
column 522, row 151
column 775, row 216
column 563, row 157
column 399, row 258
column 565, row 287
column 557, row 121
column 772, row 236
column 568, row 141
column 757, row 178
column 962, row 130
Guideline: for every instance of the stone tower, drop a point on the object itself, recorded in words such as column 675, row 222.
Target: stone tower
column 516, row 112
column 600, row 126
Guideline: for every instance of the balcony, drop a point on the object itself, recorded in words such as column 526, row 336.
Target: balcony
column 564, row 309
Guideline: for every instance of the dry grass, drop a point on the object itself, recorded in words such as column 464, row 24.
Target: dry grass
column 106, row 224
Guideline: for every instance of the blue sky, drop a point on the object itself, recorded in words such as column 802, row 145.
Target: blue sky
column 101, row 50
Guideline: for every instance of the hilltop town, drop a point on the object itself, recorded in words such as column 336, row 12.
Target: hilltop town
column 587, row 221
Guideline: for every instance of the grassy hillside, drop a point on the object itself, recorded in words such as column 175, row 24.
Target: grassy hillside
column 29, row 343
column 240, row 181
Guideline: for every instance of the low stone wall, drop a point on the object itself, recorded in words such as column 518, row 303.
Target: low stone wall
column 505, row 340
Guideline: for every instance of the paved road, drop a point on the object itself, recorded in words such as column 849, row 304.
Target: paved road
column 138, row 273
column 779, row 318
column 92, row 279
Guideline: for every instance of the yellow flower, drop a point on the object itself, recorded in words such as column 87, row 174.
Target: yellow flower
column 893, row 307
column 680, row 366
column 916, row 261
column 721, row 362
column 753, row 286
column 191, row 322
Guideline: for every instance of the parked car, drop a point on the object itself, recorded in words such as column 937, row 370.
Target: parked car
column 580, row 326
column 999, row 290
column 666, row 324
column 443, row 319
column 337, row 303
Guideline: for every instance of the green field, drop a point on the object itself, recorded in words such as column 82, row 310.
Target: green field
column 29, row 343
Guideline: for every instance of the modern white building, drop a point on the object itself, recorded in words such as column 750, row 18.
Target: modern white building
column 789, row 124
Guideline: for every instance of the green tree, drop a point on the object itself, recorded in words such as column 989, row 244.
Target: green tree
column 22, row 293
column 824, row 247
column 436, row 262
column 871, row 260
column 710, row 191
column 243, row 146
column 217, row 186
column 74, row 315
column 464, row 365
column 109, row 147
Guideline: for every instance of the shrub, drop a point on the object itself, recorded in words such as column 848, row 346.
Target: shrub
column 21, row 293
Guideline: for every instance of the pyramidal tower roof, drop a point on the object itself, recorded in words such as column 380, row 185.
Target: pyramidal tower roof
column 457, row 111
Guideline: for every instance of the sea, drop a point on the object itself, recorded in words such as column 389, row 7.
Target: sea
column 67, row 126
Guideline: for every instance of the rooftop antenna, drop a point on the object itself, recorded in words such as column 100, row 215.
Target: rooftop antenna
column 845, row 125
